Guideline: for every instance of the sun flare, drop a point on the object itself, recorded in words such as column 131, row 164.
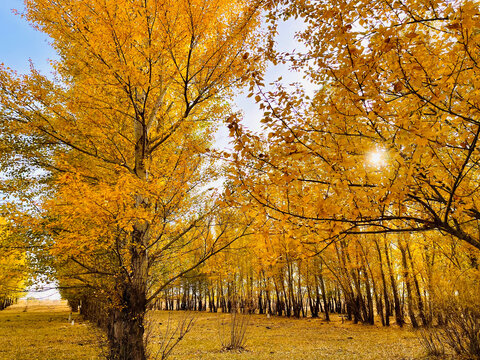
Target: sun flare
column 377, row 158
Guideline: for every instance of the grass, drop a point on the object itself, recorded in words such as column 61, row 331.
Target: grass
column 283, row 338
column 43, row 332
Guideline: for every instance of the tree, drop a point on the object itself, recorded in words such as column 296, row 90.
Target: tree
column 393, row 80
column 121, row 135
column 12, row 265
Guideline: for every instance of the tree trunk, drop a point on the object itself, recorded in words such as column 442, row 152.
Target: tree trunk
column 384, row 285
column 324, row 297
column 125, row 331
column 406, row 278
column 396, row 300
column 370, row 314
column 417, row 288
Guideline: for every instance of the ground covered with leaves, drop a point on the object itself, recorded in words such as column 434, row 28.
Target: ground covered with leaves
column 44, row 332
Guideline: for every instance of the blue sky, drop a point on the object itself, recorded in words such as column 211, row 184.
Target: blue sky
column 19, row 42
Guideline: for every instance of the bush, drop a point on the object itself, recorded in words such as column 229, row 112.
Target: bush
column 234, row 337
column 459, row 307
column 431, row 341
column 462, row 332
column 173, row 332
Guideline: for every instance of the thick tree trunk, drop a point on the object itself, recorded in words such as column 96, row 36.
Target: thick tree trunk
column 362, row 313
column 126, row 330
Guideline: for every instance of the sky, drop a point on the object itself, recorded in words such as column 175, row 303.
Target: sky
column 20, row 44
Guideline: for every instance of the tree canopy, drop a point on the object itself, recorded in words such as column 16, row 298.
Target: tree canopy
column 394, row 80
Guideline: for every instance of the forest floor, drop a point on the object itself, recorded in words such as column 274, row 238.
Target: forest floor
column 41, row 330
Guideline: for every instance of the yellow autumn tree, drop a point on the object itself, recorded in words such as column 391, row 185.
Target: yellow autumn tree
column 13, row 272
column 388, row 141
column 127, row 123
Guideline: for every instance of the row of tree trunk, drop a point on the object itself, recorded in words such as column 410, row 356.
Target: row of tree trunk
column 6, row 302
column 359, row 285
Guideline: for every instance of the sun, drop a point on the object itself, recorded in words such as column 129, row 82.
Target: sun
column 377, row 158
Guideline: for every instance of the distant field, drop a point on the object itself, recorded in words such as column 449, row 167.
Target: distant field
column 43, row 332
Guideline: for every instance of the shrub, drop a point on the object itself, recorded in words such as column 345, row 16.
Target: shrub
column 233, row 337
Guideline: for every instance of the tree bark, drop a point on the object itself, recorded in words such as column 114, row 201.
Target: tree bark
column 324, row 297
column 417, row 288
column 125, row 334
column 126, row 330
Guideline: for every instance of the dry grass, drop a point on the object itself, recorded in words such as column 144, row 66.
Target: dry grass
column 282, row 338
column 43, row 332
